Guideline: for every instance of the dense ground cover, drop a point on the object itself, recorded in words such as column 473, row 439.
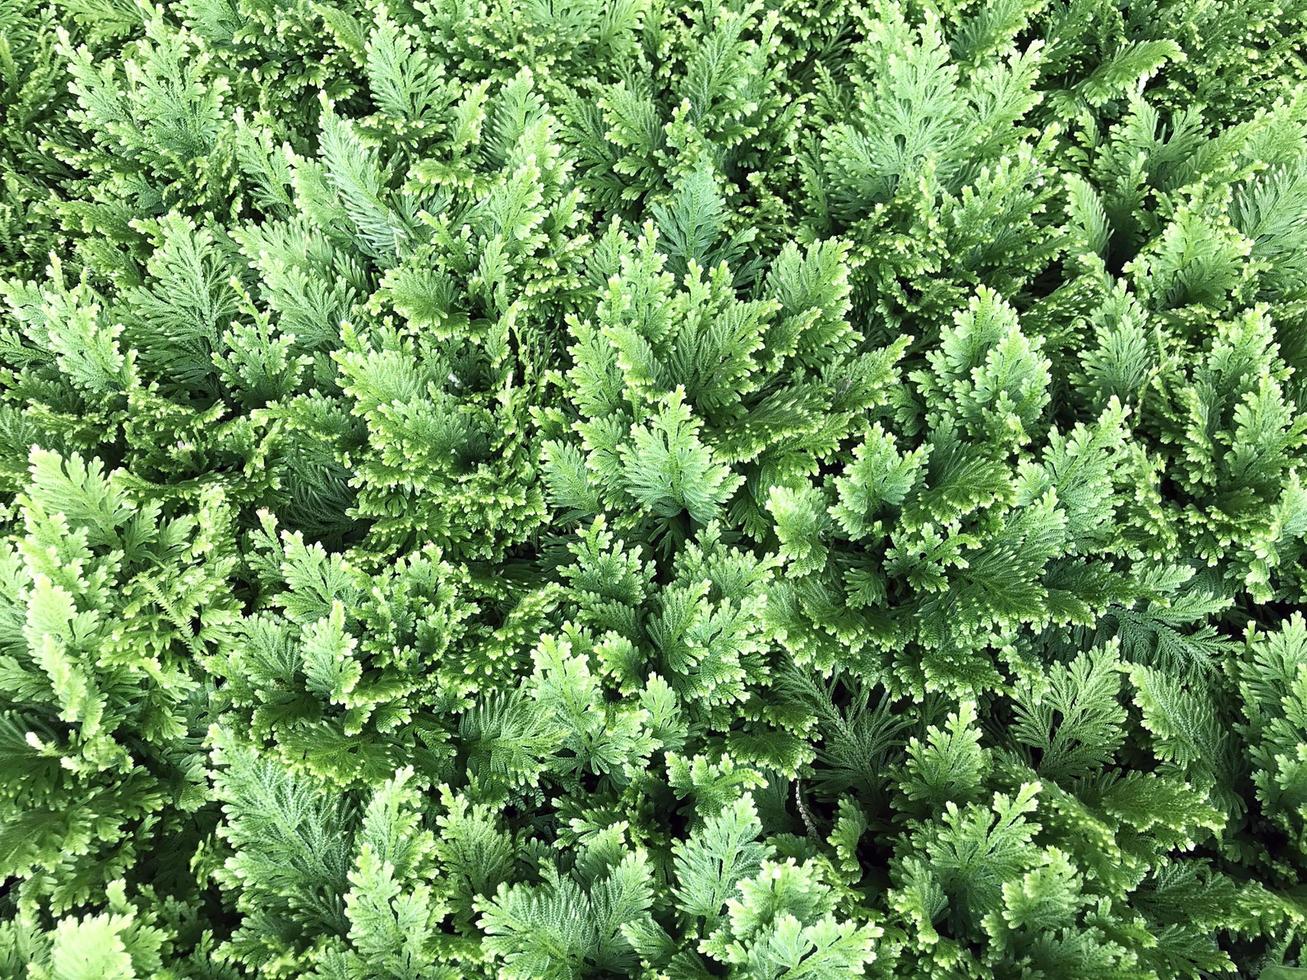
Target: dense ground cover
column 605, row 488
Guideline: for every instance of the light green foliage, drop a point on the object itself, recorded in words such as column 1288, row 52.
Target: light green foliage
column 636, row 488
column 1273, row 692
column 716, row 857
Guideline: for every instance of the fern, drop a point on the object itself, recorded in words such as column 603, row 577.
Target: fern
column 628, row 488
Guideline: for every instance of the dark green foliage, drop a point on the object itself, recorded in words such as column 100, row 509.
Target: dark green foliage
column 622, row 488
